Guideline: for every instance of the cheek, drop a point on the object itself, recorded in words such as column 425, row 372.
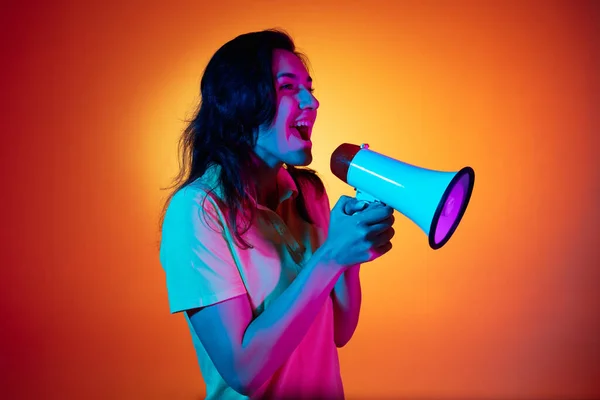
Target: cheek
column 285, row 111
column 288, row 111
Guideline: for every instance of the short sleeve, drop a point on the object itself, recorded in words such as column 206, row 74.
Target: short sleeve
column 195, row 255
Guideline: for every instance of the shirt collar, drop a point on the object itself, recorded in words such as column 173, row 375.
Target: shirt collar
column 286, row 185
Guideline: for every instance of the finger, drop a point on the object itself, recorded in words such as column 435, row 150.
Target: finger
column 380, row 237
column 379, row 228
column 341, row 203
column 352, row 207
column 376, row 214
column 377, row 252
column 384, row 224
column 381, row 250
column 384, row 237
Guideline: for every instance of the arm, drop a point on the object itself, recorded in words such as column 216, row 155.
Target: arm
column 346, row 297
column 347, row 294
column 248, row 352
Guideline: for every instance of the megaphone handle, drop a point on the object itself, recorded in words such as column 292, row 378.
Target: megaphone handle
column 366, row 197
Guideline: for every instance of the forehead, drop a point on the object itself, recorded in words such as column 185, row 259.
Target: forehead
column 286, row 61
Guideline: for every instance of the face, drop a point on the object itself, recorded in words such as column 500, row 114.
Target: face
column 287, row 139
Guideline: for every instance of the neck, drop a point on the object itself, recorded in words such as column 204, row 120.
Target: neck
column 266, row 183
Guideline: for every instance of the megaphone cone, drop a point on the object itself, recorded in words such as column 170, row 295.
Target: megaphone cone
column 434, row 200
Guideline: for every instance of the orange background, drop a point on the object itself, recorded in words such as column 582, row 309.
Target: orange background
column 93, row 98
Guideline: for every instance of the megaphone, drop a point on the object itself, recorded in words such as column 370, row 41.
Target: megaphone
column 434, row 200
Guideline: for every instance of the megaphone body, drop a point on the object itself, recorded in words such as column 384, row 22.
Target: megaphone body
column 434, row 200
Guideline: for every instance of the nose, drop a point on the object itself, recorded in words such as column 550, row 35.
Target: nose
column 308, row 100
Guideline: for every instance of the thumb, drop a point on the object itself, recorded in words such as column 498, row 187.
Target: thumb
column 355, row 205
column 343, row 202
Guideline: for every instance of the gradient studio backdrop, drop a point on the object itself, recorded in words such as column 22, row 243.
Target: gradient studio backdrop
column 93, row 95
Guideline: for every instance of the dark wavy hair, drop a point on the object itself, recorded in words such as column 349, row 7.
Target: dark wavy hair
column 237, row 96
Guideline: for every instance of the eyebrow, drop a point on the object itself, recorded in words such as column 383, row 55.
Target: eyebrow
column 290, row 75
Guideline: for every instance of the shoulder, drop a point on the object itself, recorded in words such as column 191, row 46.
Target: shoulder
column 191, row 207
column 190, row 198
column 203, row 194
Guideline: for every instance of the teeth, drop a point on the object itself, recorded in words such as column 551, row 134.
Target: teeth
column 302, row 123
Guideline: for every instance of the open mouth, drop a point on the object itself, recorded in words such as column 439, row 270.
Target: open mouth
column 303, row 131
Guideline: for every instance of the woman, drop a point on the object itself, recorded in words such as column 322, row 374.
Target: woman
column 265, row 274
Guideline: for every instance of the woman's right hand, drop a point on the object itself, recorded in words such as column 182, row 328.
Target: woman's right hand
column 358, row 237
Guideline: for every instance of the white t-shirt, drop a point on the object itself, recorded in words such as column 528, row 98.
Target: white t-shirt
column 203, row 267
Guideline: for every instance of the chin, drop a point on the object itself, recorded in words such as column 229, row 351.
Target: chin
column 300, row 159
